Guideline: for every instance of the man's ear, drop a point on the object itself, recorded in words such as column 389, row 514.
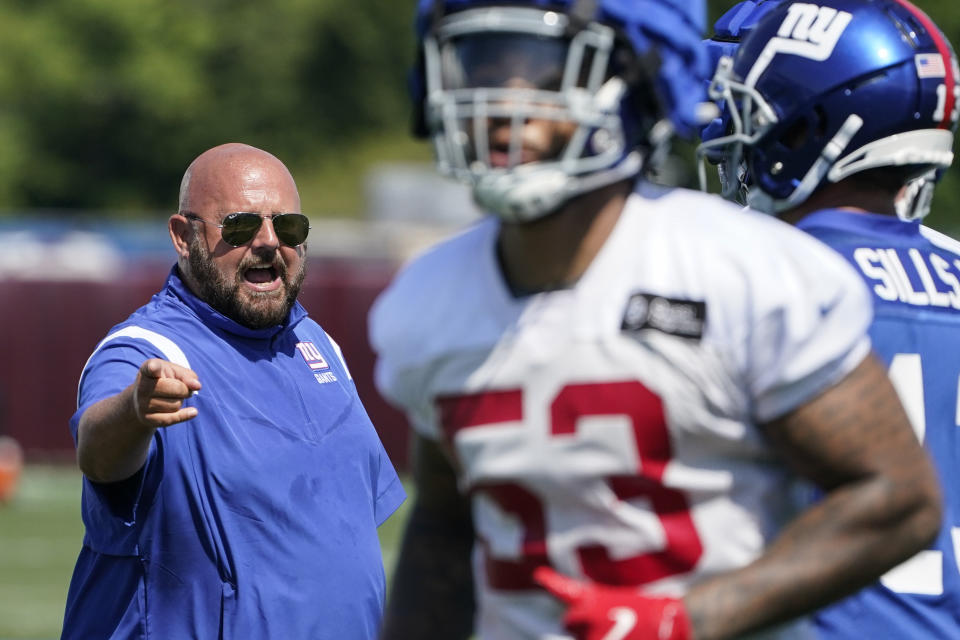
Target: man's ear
column 180, row 233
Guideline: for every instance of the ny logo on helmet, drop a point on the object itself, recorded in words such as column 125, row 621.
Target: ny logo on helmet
column 809, row 31
column 822, row 26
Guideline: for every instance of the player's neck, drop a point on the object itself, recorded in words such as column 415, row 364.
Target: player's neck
column 844, row 195
column 554, row 251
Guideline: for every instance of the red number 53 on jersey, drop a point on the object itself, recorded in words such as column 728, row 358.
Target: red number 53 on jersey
column 644, row 410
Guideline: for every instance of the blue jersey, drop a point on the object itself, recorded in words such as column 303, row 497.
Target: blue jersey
column 913, row 274
column 256, row 519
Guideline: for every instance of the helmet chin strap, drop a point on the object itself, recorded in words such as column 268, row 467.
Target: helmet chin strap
column 761, row 201
column 528, row 192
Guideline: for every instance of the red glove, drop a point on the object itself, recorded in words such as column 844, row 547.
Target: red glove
column 599, row 612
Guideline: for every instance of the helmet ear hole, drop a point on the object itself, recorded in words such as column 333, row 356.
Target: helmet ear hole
column 796, row 135
column 805, row 128
column 821, row 122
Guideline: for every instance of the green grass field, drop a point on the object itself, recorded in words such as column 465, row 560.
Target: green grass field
column 40, row 536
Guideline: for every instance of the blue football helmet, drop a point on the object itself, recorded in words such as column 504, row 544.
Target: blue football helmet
column 819, row 92
column 729, row 30
column 623, row 75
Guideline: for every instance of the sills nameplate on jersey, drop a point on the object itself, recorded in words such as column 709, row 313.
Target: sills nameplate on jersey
column 317, row 363
column 923, row 279
column 673, row 316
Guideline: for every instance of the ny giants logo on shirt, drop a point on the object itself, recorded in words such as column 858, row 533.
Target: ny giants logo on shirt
column 317, row 363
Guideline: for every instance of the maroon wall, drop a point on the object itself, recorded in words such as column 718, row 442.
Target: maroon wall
column 49, row 329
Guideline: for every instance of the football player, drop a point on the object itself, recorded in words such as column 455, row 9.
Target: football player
column 728, row 31
column 835, row 116
column 614, row 387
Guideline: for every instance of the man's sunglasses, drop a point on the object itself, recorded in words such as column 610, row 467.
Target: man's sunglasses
column 239, row 228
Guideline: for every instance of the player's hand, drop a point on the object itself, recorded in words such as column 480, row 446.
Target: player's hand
column 599, row 612
column 159, row 392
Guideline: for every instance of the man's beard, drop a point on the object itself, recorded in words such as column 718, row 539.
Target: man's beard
column 224, row 294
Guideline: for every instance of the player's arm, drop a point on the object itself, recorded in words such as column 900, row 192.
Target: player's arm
column 432, row 591
column 881, row 506
column 113, row 436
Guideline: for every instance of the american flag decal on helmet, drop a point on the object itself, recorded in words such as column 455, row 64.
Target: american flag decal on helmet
column 947, row 113
column 930, row 65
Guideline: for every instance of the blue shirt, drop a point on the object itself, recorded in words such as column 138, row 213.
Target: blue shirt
column 256, row 519
column 913, row 274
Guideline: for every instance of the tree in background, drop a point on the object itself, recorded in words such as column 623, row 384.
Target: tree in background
column 102, row 102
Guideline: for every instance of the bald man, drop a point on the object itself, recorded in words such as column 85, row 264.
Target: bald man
column 233, row 483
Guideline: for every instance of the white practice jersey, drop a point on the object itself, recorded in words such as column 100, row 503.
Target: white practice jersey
column 609, row 430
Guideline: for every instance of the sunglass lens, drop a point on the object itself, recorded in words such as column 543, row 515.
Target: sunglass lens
column 239, row 228
column 291, row 228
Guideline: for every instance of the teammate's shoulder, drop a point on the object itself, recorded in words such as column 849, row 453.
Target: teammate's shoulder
column 434, row 279
column 680, row 201
column 453, row 253
column 732, row 249
column 940, row 240
column 713, row 224
column 696, row 212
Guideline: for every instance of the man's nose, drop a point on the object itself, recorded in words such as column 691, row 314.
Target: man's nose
column 266, row 235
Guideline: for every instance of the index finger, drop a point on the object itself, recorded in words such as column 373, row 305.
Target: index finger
column 562, row 587
column 157, row 368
